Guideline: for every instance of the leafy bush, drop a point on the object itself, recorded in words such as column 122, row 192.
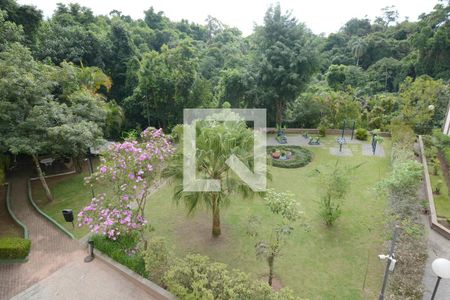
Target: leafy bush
column 124, row 250
column 336, row 186
column 322, row 130
column 14, row 248
column 157, row 260
column 438, row 187
column 362, row 134
column 300, row 156
column 196, row 277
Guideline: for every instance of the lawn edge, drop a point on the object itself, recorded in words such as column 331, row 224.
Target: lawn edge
column 50, row 219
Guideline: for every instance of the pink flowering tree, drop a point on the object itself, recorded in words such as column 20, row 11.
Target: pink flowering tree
column 129, row 170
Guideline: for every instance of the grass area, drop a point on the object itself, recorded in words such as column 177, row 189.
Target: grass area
column 8, row 228
column 323, row 263
column 69, row 192
column 441, row 200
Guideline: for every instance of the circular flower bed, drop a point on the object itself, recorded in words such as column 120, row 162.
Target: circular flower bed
column 289, row 156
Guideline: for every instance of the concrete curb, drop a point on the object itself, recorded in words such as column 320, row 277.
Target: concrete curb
column 435, row 225
column 152, row 288
column 56, row 175
column 50, row 219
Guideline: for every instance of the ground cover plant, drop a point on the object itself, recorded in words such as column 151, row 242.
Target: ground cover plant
column 299, row 156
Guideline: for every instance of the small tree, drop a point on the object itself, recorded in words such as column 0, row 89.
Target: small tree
column 438, row 187
column 215, row 143
column 284, row 205
column 335, row 188
column 129, row 168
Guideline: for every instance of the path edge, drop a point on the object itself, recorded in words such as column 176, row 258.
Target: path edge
column 50, row 219
column 150, row 287
column 18, row 222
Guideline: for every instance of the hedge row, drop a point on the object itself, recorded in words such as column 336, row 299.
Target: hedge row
column 124, row 250
column 14, row 248
column 300, row 156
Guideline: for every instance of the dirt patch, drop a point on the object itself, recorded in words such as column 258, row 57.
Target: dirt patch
column 195, row 232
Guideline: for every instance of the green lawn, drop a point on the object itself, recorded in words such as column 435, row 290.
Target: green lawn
column 69, row 192
column 323, row 263
column 441, row 200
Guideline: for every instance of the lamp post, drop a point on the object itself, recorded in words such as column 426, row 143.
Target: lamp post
column 441, row 268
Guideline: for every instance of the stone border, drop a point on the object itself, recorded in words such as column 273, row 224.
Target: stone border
column 152, row 288
column 50, row 219
column 316, row 131
column 434, row 224
column 23, row 226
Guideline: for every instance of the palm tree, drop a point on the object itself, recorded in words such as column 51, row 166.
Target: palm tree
column 215, row 143
column 358, row 49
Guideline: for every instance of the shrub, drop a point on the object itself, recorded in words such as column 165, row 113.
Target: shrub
column 362, row 134
column 157, row 259
column 322, row 130
column 336, row 186
column 14, row 248
column 300, row 156
column 436, row 166
column 124, row 250
column 438, row 187
column 197, row 277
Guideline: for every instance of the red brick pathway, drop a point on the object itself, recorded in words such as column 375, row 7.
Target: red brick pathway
column 50, row 249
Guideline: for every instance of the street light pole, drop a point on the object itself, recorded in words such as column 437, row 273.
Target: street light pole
column 388, row 264
column 440, row 267
column 436, row 287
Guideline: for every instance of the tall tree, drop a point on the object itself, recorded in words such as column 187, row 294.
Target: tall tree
column 287, row 58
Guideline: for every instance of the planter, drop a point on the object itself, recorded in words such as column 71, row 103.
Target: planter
column 276, row 155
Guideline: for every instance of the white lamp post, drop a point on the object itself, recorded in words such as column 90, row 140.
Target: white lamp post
column 440, row 267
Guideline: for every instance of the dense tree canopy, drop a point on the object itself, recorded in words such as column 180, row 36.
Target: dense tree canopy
column 145, row 71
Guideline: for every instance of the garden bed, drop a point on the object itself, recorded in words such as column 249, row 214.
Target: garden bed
column 289, row 156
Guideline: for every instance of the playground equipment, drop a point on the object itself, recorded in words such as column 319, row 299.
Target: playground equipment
column 314, row 141
column 343, row 129
column 376, row 139
column 281, row 136
column 341, row 141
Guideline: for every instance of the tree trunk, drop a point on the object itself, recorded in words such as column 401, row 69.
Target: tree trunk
column 279, row 112
column 42, row 179
column 216, row 218
column 78, row 162
column 270, row 261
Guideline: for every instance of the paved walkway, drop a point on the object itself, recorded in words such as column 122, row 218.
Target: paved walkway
column 438, row 246
column 51, row 250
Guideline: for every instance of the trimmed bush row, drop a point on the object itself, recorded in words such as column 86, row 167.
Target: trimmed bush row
column 300, row 156
column 124, row 250
column 14, row 248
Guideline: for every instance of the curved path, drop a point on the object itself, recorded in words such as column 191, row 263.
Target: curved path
column 53, row 251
